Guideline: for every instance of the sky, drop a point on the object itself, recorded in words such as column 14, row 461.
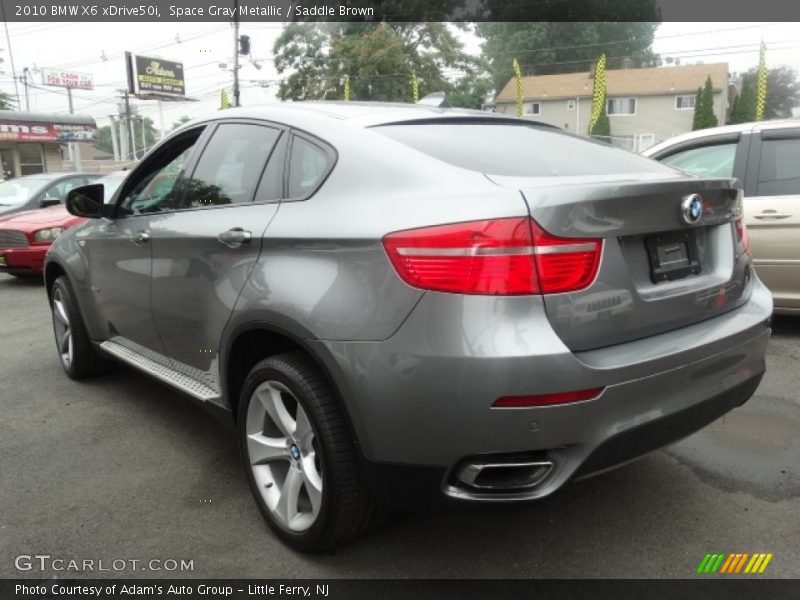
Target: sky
column 97, row 48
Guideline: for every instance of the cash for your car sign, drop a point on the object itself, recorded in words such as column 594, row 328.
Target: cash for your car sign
column 67, row 79
column 152, row 78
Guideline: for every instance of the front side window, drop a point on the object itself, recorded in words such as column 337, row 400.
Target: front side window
column 60, row 189
column 231, row 165
column 706, row 161
column 621, row 106
column 156, row 183
column 779, row 172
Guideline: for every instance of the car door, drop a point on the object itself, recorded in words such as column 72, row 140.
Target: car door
column 119, row 252
column 772, row 212
column 204, row 252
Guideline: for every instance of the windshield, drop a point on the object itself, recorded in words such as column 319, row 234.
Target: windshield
column 19, row 191
column 517, row 150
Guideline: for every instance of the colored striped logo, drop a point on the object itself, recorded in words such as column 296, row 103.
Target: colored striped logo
column 735, row 562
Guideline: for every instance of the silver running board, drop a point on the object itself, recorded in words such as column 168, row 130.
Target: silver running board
column 169, row 376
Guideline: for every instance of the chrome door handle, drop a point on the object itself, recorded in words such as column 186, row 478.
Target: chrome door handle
column 771, row 215
column 233, row 238
column 141, row 237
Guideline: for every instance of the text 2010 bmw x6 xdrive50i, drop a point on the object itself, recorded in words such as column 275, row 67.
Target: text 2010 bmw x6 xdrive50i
column 396, row 303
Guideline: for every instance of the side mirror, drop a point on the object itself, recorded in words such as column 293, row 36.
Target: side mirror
column 86, row 201
column 48, row 201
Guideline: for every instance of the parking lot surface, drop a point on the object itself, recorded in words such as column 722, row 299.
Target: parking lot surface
column 121, row 467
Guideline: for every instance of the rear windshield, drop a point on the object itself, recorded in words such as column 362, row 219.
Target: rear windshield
column 517, row 150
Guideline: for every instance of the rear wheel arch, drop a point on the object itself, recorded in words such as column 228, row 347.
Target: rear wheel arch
column 254, row 342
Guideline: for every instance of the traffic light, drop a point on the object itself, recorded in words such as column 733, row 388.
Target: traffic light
column 244, row 45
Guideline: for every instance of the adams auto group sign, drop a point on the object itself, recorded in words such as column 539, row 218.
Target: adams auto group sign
column 67, row 79
column 151, row 77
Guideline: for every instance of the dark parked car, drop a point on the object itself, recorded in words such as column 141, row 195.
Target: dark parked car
column 39, row 191
column 399, row 303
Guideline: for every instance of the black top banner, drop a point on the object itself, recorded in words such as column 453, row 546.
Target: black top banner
column 397, row 10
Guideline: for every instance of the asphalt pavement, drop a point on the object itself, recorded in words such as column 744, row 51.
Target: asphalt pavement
column 123, row 468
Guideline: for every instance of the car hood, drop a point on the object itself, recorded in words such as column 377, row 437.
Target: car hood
column 31, row 220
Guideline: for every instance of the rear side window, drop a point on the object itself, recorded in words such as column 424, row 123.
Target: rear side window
column 708, row 161
column 779, row 172
column 516, row 150
column 308, row 166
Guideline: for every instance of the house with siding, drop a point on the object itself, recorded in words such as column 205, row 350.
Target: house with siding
column 645, row 106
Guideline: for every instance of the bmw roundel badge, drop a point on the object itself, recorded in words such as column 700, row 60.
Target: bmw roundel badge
column 692, row 208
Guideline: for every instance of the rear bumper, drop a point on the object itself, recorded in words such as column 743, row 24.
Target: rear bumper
column 424, row 396
column 23, row 261
column 412, row 486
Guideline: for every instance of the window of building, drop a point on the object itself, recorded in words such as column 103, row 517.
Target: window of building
column 31, row 159
column 621, row 106
column 532, row 108
column 684, row 102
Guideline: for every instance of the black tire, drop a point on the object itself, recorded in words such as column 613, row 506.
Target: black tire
column 347, row 509
column 85, row 361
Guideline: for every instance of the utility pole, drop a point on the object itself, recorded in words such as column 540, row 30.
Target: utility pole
column 24, row 79
column 236, row 53
column 114, row 138
column 10, row 51
column 74, row 149
column 129, row 125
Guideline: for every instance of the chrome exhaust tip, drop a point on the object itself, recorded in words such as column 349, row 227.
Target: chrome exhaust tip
column 504, row 476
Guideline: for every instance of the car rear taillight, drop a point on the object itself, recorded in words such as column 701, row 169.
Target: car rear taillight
column 564, row 264
column 497, row 257
column 741, row 235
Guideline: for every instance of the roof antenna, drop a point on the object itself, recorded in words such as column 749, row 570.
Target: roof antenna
column 436, row 99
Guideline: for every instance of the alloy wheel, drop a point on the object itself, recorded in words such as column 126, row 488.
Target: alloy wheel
column 63, row 330
column 283, row 456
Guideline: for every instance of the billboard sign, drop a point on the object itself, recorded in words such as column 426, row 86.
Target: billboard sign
column 13, row 130
column 67, row 79
column 151, row 78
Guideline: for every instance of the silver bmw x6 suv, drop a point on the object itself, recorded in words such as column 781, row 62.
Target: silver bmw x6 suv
column 399, row 303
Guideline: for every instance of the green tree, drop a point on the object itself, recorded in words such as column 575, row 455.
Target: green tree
column 783, row 91
column 704, row 116
column 545, row 48
column 698, row 101
column 470, row 90
column 182, row 121
column 602, row 129
column 744, row 105
column 102, row 139
column 378, row 58
column 7, row 101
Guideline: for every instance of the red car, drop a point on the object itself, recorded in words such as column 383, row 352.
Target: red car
column 26, row 236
